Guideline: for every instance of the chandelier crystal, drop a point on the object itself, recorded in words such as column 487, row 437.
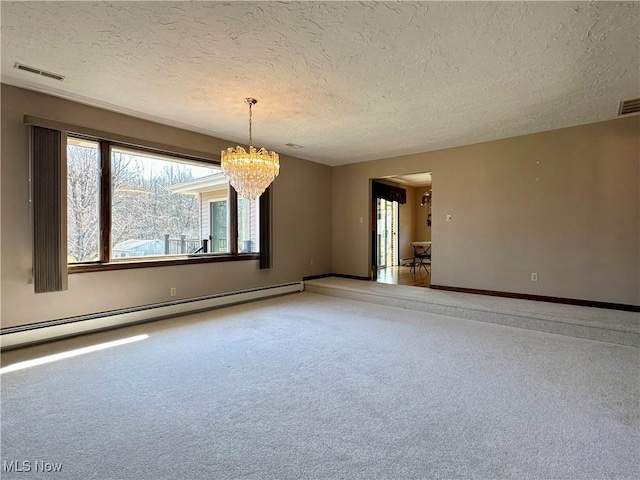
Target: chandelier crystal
column 250, row 172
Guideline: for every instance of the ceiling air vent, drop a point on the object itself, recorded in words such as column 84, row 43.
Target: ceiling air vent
column 37, row 71
column 629, row 106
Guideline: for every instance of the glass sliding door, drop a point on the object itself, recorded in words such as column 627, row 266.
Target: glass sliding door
column 386, row 233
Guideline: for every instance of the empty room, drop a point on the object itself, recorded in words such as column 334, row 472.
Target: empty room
column 320, row 240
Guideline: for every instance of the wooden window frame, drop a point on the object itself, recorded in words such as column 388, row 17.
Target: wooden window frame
column 106, row 262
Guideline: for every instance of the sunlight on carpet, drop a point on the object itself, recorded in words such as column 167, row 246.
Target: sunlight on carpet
column 69, row 354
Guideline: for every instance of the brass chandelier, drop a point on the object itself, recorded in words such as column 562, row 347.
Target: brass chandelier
column 250, row 173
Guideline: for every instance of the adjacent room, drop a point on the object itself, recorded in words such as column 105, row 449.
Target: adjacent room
column 402, row 243
column 323, row 240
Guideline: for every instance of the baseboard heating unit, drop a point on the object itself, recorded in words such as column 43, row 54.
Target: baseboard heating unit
column 14, row 337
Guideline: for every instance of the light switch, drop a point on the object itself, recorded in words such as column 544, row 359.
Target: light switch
column 449, row 218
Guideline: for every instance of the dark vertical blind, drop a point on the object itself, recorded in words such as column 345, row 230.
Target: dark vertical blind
column 49, row 177
column 266, row 252
column 233, row 220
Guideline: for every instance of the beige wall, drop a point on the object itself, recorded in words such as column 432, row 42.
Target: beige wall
column 421, row 230
column 564, row 204
column 301, row 220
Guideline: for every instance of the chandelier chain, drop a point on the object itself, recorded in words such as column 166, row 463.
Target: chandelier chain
column 250, row 126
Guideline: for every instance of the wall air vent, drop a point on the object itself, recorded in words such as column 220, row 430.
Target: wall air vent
column 37, row 71
column 629, row 106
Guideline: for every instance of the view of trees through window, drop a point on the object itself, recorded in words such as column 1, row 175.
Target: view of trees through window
column 83, row 196
column 157, row 207
column 148, row 217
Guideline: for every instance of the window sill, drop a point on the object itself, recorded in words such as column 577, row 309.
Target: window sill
column 160, row 262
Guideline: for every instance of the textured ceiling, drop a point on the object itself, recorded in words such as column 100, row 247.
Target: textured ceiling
column 347, row 81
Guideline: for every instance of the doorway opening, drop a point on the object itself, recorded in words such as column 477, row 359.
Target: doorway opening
column 400, row 221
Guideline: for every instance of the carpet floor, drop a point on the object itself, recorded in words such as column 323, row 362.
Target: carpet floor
column 313, row 387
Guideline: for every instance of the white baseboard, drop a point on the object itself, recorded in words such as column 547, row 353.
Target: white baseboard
column 14, row 337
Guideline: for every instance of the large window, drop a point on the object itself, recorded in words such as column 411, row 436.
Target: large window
column 127, row 204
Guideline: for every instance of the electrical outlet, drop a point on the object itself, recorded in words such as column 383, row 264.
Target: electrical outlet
column 534, row 277
column 174, row 291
